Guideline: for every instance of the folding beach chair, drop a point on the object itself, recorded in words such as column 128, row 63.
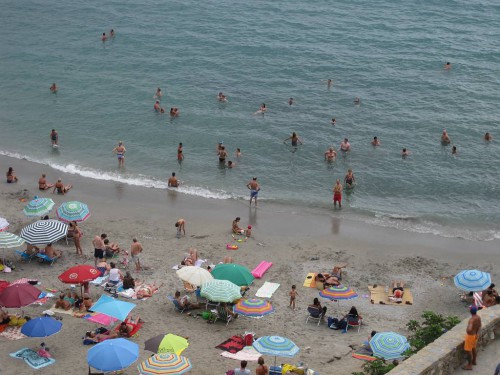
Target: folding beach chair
column 354, row 323
column 223, row 315
column 314, row 313
column 177, row 305
column 25, row 257
column 44, row 258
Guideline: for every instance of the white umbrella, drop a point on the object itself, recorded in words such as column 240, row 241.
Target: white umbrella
column 194, row 275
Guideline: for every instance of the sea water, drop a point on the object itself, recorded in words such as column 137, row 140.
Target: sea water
column 389, row 54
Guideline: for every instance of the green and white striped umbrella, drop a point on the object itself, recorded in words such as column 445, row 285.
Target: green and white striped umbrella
column 10, row 240
column 38, row 207
column 73, row 211
column 220, row 291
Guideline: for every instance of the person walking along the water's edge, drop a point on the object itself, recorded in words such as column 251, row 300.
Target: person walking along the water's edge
column 254, row 190
column 120, row 151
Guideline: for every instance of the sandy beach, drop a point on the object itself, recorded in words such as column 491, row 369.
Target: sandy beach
column 296, row 241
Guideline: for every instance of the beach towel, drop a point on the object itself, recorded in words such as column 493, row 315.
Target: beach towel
column 134, row 331
column 127, row 293
column 378, row 295
column 267, row 290
column 61, row 311
column 13, row 333
column 248, row 353
column 32, row 358
column 310, row 281
column 232, row 345
column 24, row 280
column 100, row 280
column 3, row 327
column 364, row 354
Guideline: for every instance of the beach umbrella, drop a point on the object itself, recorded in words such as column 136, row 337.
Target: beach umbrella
column 165, row 363
column 19, row 295
column 220, row 291
column 41, row 327
column 276, row 346
column 194, row 275
column 253, row 307
column 166, row 344
column 113, row 355
column 235, row 273
column 38, row 207
column 389, row 345
column 79, row 274
column 3, row 284
column 472, row 280
column 113, row 307
column 101, row 319
column 336, row 293
column 43, row 232
column 73, row 211
column 8, row 241
column 4, row 224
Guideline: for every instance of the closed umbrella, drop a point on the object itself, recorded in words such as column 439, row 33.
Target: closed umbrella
column 388, row 345
column 166, row 344
column 73, row 211
column 43, row 232
column 276, row 346
column 220, row 291
column 4, row 224
column 41, row 327
column 38, row 207
column 472, row 280
column 113, row 355
column 113, row 307
column 165, row 364
column 19, row 295
column 235, row 273
column 194, row 275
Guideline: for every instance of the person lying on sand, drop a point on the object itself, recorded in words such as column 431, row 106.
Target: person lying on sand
column 94, row 338
column 146, row 290
column 128, row 326
column 337, row 271
column 397, row 292
column 62, row 303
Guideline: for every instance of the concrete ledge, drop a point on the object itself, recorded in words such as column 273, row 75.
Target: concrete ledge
column 447, row 353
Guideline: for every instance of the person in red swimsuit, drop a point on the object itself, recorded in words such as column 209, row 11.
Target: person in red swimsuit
column 337, row 194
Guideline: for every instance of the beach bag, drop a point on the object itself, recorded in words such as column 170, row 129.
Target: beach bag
column 207, row 315
column 333, row 323
column 230, row 372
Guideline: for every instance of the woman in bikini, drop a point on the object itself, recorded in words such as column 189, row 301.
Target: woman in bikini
column 61, row 188
column 11, row 176
column 77, row 234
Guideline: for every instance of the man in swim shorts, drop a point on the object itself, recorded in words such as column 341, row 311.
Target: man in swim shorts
column 254, row 190
column 222, row 154
column 471, row 337
column 337, row 194
column 135, row 251
column 345, row 146
column 172, row 181
column 330, row 154
column 54, row 137
column 99, row 247
column 120, row 151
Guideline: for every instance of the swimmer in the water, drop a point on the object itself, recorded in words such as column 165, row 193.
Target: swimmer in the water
column 238, row 153
column 349, row 179
column 221, row 97
column 445, row 139
column 447, row 66
column 230, row 164
column 294, row 138
column 158, row 108
column 112, row 33
column 330, row 154
column 454, row 150
column 174, row 112
column 405, row 153
column 180, row 155
column 290, row 101
column 334, row 122
column 375, row 141
column 345, row 146
column 357, row 100
column 262, row 109
column 488, row 137
column 104, row 37
column 54, row 137
column 337, row 194
column 329, row 83
column 53, row 88
column 158, row 94
column 120, row 151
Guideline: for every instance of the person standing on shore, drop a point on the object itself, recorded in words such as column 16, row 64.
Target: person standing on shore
column 135, row 251
column 180, row 155
column 181, row 227
column 99, row 247
column 172, row 181
column 254, row 190
column 54, row 137
column 120, row 151
column 77, row 235
column 471, row 337
column 337, row 194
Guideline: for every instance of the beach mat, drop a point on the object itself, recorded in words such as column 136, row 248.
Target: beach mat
column 232, row 345
column 378, row 295
column 310, row 282
column 134, row 331
column 267, row 290
column 13, row 333
column 248, row 353
column 32, row 358
column 364, row 354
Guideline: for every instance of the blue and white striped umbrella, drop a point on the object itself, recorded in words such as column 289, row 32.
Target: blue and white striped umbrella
column 73, row 211
column 472, row 280
column 38, row 207
column 276, row 345
column 43, row 232
column 389, row 345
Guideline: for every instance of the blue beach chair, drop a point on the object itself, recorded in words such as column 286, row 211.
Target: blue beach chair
column 44, row 258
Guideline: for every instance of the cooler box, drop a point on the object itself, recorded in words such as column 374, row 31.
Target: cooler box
column 275, row 370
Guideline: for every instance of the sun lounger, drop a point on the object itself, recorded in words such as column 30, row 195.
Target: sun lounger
column 261, row 269
column 25, row 257
column 44, row 258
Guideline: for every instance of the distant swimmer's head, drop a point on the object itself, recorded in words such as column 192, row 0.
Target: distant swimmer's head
column 255, row 178
column 444, row 131
column 346, row 140
column 59, row 179
column 120, row 143
column 294, row 134
column 375, row 138
column 173, row 174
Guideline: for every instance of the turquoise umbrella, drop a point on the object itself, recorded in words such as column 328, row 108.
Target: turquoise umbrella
column 388, row 345
column 73, row 211
column 113, row 307
column 276, row 346
column 38, row 207
column 235, row 273
column 220, row 291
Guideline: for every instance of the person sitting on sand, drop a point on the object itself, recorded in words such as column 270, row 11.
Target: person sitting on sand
column 317, row 305
column 128, row 281
column 4, row 316
column 62, row 303
column 127, row 326
column 184, row 302
column 51, row 252
column 337, row 271
column 42, row 183
column 11, row 176
column 145, row 291
column 115, row 275
column 44, row 351
column 87, row 302
column 31, row 249
column 60, row 187
column 236, row 228
column 111, row 248
column 397, row 292
column 492, row 289
column 103, row 267
column 489, row 299
column 227, row 260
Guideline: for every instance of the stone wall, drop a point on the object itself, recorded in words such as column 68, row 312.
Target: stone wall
column 447, row 353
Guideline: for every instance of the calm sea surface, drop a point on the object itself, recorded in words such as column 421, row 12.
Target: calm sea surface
column 390, row 54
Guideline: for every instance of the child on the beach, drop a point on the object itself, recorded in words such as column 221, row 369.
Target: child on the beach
column 248, row 232
column 293, row 294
